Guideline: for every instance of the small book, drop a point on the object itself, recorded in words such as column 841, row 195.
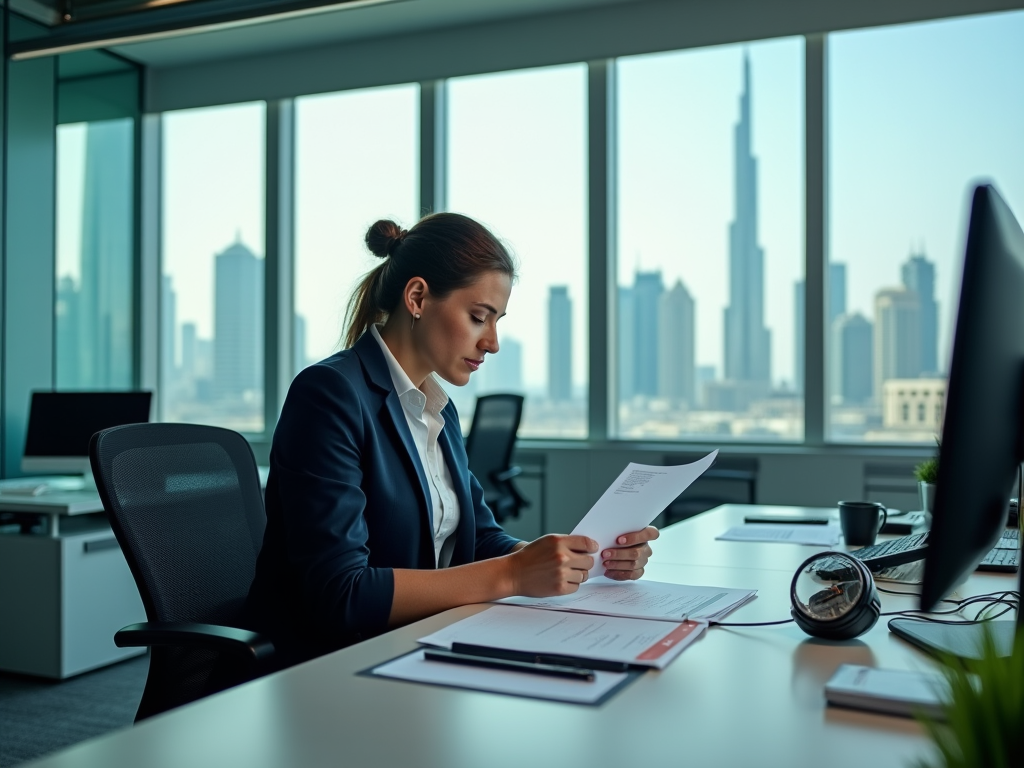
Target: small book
column 890, row 691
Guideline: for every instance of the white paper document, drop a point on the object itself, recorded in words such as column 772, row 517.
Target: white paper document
column 644, row 642
column 632, row 502
column 417, row 669
column 820, row 535
column 644, row 600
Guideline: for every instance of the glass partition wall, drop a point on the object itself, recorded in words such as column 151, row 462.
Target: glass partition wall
column 517, row 149
column 97, row 115
column 710, row 243
column 918, row 114
column 211, row 286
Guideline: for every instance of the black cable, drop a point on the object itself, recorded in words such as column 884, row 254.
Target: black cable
column 992, row 598
column 748, row 624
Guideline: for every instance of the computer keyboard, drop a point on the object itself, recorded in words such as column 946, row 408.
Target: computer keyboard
column 1003, row 557
column 1001, row 561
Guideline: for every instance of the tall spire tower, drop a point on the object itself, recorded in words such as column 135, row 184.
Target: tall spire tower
column 747, row 341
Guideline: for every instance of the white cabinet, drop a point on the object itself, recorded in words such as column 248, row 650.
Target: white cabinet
column 62, row 598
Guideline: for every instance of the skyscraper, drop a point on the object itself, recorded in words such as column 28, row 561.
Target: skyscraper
column 851, row 359
column 559, row 344
column 677, row 375
column 67, row 322
column 238, row 322
column 299, row 344
column 836, row 291
column 919, row 276
column 503, row 372
column 799, row 324
column 104, row 332
column 897, row 347
column 647, row 291
column 168, row 330
column 627, row 361
column 747, row 340
column 189, row 352
column 836, row 306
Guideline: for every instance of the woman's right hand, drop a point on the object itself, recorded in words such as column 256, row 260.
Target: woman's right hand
column 555, row 564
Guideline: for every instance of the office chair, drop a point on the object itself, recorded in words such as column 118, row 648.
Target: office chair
column 185, row 505
column 492, row 438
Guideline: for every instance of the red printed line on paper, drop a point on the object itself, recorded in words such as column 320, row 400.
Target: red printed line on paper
column 668, row 642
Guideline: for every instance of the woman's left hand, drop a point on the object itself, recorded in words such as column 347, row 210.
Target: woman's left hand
column 627, row 561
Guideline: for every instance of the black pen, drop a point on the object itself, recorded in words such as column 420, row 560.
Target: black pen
column 508, row 665
column 468, row 649
column 786, row 520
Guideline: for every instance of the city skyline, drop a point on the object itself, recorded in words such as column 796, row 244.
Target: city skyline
column 675, row 187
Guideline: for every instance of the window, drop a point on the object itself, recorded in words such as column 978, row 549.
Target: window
column 711, row 243
column 917, row 114
column 211, row 356
column 356, row 162
column 517, row 162
column 95, row 269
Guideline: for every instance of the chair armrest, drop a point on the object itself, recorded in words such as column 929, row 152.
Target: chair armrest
column 505, row 475
column 185, row 633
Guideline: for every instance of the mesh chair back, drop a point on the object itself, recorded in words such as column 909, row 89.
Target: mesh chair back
column 184, row 502
column 492, row 438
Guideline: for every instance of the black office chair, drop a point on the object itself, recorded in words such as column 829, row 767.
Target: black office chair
column 492, row 438
column 185, row 505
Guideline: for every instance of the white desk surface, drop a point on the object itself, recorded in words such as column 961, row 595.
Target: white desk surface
column 66, row 503
column 737, row 697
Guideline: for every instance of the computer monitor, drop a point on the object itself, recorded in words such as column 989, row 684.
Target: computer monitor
column 60, row 425
column 982, row 443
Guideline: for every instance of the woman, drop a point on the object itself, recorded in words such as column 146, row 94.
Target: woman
column 373, row 518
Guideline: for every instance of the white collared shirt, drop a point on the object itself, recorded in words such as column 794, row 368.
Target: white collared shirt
column 423, row 414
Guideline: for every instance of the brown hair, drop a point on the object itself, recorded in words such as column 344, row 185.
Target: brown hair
column 448, row 250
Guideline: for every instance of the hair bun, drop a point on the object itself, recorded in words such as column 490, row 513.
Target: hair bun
column 383, row 237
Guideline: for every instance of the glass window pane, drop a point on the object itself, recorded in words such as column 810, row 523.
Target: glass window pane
column 917, row 114
column 95, row 269
column 211, row 355
column 517, row 159
column 711, row 242
column 351, row 170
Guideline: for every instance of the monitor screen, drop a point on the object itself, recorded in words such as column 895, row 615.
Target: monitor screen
column 60, row 425
column 981, row 447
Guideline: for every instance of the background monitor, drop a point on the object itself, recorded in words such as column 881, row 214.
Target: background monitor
column 982, row 447
column 60, row 425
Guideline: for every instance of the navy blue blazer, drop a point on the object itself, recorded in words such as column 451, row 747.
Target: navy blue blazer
column 347, row 501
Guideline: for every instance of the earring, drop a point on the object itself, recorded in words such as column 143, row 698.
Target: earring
column 415, row 317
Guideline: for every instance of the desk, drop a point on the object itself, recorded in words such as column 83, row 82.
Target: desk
column 735, row 698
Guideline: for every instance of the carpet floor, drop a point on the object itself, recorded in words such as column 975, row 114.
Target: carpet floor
column 41, row 716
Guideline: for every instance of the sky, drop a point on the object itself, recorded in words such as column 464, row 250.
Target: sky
column 916, row 112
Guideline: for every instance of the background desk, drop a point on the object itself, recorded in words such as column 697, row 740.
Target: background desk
column 737, row 697
column 64, row 590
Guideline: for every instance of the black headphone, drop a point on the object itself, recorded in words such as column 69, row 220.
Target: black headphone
column 834, row 597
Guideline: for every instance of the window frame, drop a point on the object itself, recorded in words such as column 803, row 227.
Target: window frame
column 601, row 269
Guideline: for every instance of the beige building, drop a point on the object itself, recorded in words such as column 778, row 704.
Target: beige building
column 914, row 405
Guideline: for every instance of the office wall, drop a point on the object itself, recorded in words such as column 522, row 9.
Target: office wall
column 28, row 246
column 557, row 38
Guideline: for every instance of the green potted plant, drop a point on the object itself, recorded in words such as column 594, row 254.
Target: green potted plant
column 983, row 712
column 927, row 472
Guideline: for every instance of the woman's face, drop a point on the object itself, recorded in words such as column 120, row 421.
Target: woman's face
column 456, row 332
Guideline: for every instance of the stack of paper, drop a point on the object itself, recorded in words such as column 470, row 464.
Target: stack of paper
column 644, row 600
column 639, row 642
column 820, row 535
